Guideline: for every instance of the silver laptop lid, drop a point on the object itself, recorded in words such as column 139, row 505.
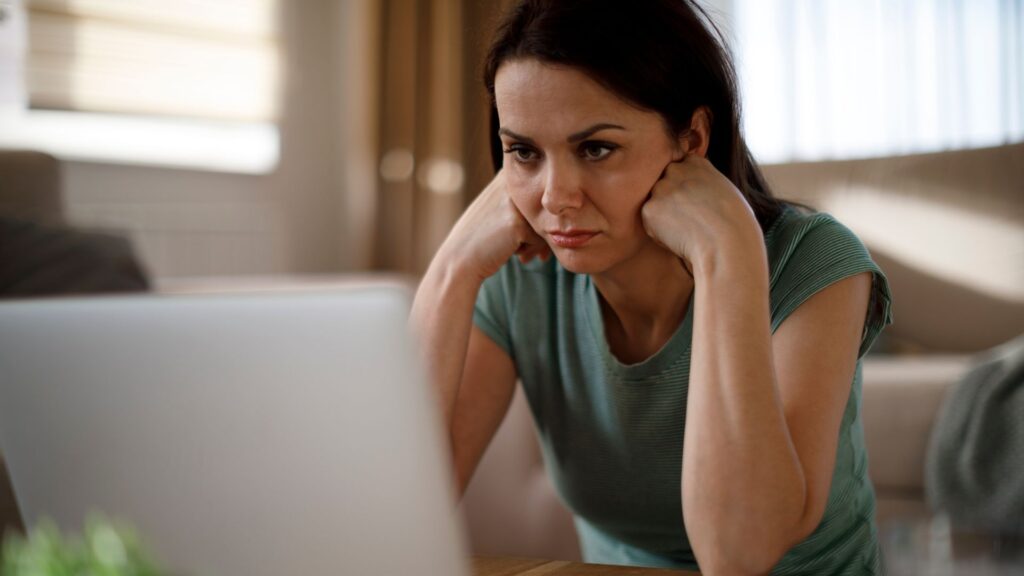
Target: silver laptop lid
column 260, row 434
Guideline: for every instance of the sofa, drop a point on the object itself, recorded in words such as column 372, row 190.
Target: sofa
column 511, row 507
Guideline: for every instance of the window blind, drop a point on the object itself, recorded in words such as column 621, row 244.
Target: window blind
column 188, row 58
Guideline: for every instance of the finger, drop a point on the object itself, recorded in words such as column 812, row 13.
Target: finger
column 528, row 256
column 542, row 253
column 527, row 247
column 534, row 251
column 694, row 159
column 526, row 252
column 678, row 167
column 546, row 253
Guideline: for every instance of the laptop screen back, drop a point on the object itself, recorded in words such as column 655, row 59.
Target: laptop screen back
column 259, row 434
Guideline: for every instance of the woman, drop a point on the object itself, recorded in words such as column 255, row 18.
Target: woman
column 691, row 353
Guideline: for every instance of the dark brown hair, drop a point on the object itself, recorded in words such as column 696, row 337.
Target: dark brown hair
column 660, row 55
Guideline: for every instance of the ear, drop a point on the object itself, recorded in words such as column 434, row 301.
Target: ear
column 698, row 137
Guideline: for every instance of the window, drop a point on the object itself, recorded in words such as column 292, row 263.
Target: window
column 827, row 79
column 185, row 83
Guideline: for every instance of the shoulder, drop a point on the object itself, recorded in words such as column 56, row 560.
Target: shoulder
column 810, row 251
column 798, row 236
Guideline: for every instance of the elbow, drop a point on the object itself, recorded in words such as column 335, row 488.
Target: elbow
column 757, row 556
column 747, row 562
column 748, row 539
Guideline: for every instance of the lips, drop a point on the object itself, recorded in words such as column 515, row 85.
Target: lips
column 571, row 238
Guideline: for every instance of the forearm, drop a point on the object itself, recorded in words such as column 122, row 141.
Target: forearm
column 743, row 486
column 441, row 318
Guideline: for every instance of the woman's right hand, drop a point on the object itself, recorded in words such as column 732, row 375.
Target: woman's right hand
column 490, row 231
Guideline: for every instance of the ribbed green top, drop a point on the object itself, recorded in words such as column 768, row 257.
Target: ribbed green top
column 612, row 434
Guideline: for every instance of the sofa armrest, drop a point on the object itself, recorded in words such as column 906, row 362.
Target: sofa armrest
column 901, row 401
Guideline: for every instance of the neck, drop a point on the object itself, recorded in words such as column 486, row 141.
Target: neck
column 645, row 298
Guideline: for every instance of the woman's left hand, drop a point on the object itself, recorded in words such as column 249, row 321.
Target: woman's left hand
column 694, row 210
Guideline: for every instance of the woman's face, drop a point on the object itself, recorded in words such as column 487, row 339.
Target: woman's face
column 579, row 162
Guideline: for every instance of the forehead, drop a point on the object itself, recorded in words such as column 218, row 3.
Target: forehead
column 537, row 99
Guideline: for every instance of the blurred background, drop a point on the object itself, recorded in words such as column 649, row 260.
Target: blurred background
column 245, row 142
column 262, row 137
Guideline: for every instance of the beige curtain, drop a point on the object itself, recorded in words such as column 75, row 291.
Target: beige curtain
column 433, row 150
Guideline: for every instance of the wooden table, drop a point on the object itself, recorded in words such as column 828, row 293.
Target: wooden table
column 505, row 566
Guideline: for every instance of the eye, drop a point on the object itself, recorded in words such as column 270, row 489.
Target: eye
column 521, row 153
column 593, row 150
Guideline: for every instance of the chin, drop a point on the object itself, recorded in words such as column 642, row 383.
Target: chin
column 579, row 262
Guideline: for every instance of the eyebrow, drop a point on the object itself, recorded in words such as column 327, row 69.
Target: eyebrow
column 584, row 134
column 573, row 138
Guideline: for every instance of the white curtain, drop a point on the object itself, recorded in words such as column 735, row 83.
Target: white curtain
column 828, row 79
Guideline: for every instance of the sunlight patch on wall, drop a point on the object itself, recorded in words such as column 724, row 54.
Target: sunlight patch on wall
column 984, row 252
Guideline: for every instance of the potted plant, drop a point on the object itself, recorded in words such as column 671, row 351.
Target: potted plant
column 105, row 548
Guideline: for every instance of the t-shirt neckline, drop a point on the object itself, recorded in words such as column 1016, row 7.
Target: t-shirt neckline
column 672, row 351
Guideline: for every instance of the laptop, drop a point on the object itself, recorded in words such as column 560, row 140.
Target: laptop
column 287, row 433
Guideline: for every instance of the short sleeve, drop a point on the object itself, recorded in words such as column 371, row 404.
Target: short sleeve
column 491, row 314
column 814, row 252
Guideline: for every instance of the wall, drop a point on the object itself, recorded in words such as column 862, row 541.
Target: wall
column 189, row 223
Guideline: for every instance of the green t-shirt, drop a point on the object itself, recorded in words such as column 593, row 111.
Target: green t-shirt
column 612, row 434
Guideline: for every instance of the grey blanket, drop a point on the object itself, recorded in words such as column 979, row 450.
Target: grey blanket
column 975, row 464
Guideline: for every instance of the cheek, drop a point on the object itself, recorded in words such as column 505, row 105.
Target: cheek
column 644, row 176
column 627, row 197
column 623, row 194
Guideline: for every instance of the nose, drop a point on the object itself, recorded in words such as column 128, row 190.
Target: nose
column 562, row 188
